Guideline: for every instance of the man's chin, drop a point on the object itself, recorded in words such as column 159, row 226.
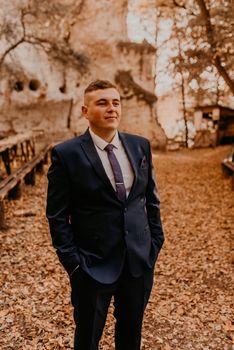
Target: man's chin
column 112, row 123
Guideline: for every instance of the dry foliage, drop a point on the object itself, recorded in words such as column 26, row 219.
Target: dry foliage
column 191, row 306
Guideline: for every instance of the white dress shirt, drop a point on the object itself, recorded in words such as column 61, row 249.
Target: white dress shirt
column 119, row 151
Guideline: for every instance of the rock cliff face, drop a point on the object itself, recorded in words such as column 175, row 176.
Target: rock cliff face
column 49, row 51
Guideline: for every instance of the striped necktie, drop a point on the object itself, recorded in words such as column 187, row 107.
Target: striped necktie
column 118, row 175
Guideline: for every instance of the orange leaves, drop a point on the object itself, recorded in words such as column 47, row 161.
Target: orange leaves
column 191, row 305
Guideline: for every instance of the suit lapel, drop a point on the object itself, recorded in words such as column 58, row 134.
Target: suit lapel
column 92, row 155
column 130, row 150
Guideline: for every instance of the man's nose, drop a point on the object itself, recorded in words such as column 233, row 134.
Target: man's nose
column 111, row 107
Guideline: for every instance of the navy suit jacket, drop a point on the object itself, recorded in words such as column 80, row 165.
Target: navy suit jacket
column 89, row 225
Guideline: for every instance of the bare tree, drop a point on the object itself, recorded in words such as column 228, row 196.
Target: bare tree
column 216, row 53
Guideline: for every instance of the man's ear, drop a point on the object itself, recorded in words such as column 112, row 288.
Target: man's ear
column 84, row 110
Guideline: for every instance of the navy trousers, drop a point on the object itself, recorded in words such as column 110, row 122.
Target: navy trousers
column 91, row 300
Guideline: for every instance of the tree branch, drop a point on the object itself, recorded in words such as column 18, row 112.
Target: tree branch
column 62, row 52
column 179, row 5
column 20, row 41
column 10, row 49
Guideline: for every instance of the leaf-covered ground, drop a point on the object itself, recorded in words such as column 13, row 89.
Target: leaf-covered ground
column 191, row 305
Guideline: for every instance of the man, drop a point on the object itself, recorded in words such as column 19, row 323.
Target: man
column 103, row 211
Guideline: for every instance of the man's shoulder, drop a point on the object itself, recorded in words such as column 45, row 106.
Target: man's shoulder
column 68, row 144
column 134, row 138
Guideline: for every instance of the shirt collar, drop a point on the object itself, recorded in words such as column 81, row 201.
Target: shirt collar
column 100, row 143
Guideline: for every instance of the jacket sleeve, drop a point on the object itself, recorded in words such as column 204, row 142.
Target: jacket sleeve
column 153, row 208
column 58, row 213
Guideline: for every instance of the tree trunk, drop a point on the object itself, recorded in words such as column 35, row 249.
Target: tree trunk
column 210, row 35
column 184, row 108
column 180, row 69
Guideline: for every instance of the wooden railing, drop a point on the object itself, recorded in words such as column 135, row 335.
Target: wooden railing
column 10, row 187
column 17, row 148
column 228, row 167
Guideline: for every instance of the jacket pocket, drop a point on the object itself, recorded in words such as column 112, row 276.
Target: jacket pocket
column 145, row 235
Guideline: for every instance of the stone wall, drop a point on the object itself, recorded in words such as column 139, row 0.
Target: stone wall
column 49, row 51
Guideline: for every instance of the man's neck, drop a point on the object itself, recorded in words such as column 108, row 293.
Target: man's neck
column 105, row 135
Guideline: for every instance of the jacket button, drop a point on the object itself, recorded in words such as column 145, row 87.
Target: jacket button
column 126, row 232
column 125, row 210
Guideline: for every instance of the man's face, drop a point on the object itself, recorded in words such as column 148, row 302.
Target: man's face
column 102, row 109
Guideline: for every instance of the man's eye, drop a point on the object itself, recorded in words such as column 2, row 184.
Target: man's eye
column 116, row 104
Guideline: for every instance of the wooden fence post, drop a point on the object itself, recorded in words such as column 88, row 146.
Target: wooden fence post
column 15, row 192
column 30, row 178
column 39, row 167
column 2, row 216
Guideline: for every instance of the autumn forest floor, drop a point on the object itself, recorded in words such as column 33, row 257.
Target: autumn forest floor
column 191, row 305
